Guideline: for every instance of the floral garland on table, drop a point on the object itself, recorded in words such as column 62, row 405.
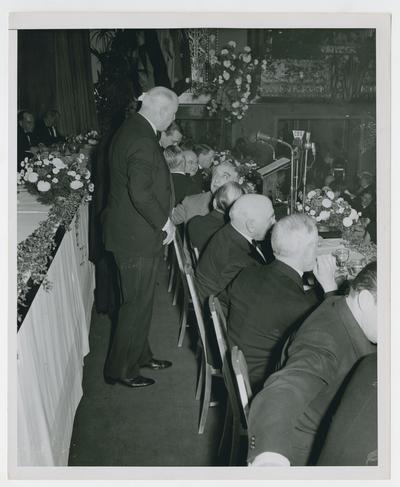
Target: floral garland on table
column 325, row 208
column 34, row 253
column 235, row 79
column 63, row 182
column 49, row 177
column 91, row 137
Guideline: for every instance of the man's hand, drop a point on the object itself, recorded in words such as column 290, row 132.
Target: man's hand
column 324, row 271
column 169, row 228
column 270, row 459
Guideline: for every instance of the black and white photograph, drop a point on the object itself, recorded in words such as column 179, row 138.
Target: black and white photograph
column 202, row 244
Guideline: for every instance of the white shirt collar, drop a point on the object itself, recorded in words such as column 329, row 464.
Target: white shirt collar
column 150, row 122
column 178, row 172
column 250, row 240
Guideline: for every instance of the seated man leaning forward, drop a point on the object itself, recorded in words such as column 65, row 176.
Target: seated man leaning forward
column 267, row 303
column 202, row 228
column 286, row 416
column 199, row 204
column 234, row 247
column 175, row 159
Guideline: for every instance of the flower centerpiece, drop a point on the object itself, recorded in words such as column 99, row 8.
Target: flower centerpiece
column 50, row 177
column 328, row 210
column 250, row 178
column 234, row 82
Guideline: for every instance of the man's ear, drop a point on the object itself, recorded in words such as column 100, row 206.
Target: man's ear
column 366, row 301
column 250, row 226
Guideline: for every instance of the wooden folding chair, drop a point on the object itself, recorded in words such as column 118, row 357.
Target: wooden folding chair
column 186, row 300
column 235, row 428
column 239, row 365
column 207, row 371
column 192, row 251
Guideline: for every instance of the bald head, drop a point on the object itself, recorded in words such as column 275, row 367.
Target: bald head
column 159, row 105
column 252, row 215
column 294, row 240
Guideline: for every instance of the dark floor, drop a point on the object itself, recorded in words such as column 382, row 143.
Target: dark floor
column 153, row 426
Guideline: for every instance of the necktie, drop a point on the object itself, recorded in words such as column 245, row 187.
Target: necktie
column 255, row 243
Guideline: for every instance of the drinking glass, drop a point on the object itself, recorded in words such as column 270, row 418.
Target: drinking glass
column 342, row 256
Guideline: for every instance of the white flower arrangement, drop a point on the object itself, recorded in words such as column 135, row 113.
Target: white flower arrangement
column 53, row 177
column 321, row 205
column 235, row 82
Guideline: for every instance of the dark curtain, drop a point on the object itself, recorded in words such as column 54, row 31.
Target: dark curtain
column 36, row 71
column 54, row 71
column 74, row 84
column 258, row 40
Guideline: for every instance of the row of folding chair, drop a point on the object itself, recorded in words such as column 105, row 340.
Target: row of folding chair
column 234, row 369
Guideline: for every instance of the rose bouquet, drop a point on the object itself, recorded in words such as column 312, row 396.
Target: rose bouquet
column 51, row 177
column 326, row 209
column 234, row 82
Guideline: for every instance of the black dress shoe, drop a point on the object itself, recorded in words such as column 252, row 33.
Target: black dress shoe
column 109, row 380
column 155, row 364
column 138, row 381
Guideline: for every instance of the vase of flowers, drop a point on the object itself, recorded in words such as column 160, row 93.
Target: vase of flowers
column 330, row 212
column 234, row 82
column 51, row 178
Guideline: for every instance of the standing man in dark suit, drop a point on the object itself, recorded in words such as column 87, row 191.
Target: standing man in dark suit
column 234, row 246
column 267, row 303
column 136, row 226
column 288, row 417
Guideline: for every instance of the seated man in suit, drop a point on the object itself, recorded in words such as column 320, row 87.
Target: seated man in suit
column 26, row 139
column 288, row 417
column 175, row 159
column 192, row 170
column 199, row 204
column 202, row 228
column 46, row 131
column 171, row 136
column 267, row 303
column 352, row 438
column 234, row 247
column 205, row 157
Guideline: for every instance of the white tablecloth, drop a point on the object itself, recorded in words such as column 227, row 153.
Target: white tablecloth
column 52, row 343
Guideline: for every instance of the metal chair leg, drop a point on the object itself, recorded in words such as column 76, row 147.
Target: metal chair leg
column 184, row 321
column 206, row 399
column 176, row 289
column 201, row 377
column 225, row 441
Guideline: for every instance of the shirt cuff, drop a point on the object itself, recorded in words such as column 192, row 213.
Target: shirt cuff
column 167, row 224
column 270, row 459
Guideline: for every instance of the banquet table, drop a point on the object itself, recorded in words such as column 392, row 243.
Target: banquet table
column 52, row 342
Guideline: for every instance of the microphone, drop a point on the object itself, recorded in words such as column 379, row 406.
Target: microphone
column 268, row 138
column 265, row 138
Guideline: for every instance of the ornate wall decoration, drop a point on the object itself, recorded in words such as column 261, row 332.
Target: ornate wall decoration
column 203, row 43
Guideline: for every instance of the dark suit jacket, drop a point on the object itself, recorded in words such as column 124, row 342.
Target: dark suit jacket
column 140, row 198
column 24, row 143
column 266, row 304
column 287, row 414
column 227, row 253
column 202, row 228
column 44, row 135
column 353, row 434
column 182, row 186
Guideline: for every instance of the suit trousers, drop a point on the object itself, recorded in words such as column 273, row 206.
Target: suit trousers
column 130, row 347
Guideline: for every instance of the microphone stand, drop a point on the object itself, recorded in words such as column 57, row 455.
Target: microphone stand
column 268, row 139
